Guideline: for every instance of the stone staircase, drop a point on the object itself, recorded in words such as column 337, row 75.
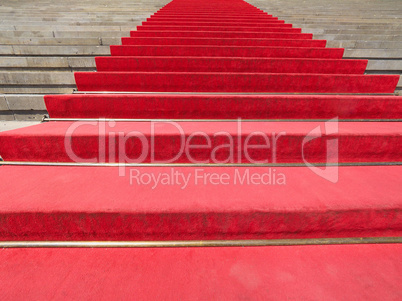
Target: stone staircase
column 216, row 153
column 43, row 43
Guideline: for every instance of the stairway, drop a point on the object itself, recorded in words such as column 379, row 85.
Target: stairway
column 43, row 43
column 219, row 127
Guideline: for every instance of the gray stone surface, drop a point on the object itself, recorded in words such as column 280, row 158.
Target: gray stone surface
column 3, row 103
column 386, row 65
column 43, row 42
column 12, row 125
column 25, row 102
column 81, row 50
column 36, row 78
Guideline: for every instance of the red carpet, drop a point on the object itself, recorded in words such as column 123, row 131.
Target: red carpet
column 210, row 60
column 220, row 142
column 356, row 272
column 219, row 28
column 212, row 64
column 227, row 51
column 233, row 82
column 95, row 203
column 273, row 23
column 222, row 42
column 211, row 106
column 219, row 34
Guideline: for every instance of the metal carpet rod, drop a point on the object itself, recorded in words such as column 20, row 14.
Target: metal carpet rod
column 200, row 243
column 223, row 93
column 46, row 119
column 26, row 163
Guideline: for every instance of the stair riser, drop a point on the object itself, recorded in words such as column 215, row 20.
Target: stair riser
column 217, row 28
column 164, row 142
column 213, row 19
column 223, row 107
column 224, row 42
column 220, row 34
column 216, row 51
column 234, row 82
column 193, row 226
column 278, row 23
column 234, row 14
column 261, row 18
column 255, row 65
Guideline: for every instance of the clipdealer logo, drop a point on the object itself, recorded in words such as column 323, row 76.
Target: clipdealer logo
column 199, row 147
column 202, row 176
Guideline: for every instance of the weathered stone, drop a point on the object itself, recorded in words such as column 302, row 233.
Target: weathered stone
column 25, row 102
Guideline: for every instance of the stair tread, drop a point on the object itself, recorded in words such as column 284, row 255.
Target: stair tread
column 315, row 272
column 125, row 211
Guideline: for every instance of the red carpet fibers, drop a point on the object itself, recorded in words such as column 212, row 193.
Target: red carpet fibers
column 186, row 142
column 215, row 64
column 354, row 272
column 223, row 106
column 87, row 203
column 222, row 42
column 274, row 23
column 233, row 82
column 218, row 28
column 220, row 34
column 209, row 46
column 227, row 51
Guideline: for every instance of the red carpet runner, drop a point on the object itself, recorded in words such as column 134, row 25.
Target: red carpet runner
column 197, row 68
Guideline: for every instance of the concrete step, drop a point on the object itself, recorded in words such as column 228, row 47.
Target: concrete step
column 76, row 23
column 340, row 27
column 365, row 44
column 57, row 89
column 64, row 28
column 46, row 63
column 64, row 34
column 363, row 37
column 36, row 78
column 22, row 107
column 58, row 41
column 370, row 31
column 373, row 53
column 62, row 50
column 12, row 125
column 36, row 82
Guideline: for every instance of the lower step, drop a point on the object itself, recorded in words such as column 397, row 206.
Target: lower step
column 205, row 142
column 187, row 203
column 158, row 106
column 234, row 82
column 345, row 272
